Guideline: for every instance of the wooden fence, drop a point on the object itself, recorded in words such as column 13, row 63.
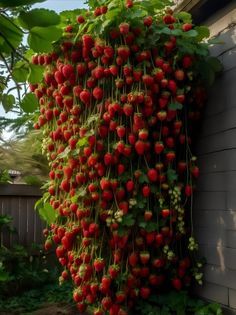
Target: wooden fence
column 18, row 202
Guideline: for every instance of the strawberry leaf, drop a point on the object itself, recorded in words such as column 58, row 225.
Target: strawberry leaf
column 171, row 175
column 175, row 106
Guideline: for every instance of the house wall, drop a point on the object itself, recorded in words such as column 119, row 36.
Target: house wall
column 215, row 199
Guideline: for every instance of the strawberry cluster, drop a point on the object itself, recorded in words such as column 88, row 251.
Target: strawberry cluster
column 118, row 116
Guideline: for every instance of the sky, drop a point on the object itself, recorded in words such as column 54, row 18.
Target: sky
column 58, row 6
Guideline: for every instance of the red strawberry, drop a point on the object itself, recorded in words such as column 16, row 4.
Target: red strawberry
column 187, row 61
column 129, row 4
column 130, row 186
column 81, row 69
column 146, row 191
column 133, row 259
column 187, row 27
column 80, row 19
column 67, row 71
column 124, row 28
column 99, row 264
column 145, row 292
column 143, row 134
column 121, row 130
column 165, row 213
column 179, row 75
column 123, row 52
column 144, row 257
column 128, row 109
column 108, row 159
column 148, row 79
column 152, row 175
column 147, row 21
column 106, row 303
column 98, row 93
column 188, row 190
column 88, row 41
column 195, row 171
column 148, row 215
column 113, row 271
column 176, row 283
column 85, row 96
column 120, row 297
column 159, row 147
column 140, row 147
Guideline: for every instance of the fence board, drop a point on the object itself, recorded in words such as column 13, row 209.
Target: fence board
column 18, row 201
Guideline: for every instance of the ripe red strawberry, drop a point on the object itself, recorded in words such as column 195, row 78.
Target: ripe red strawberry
column 123, row 52
column 81, row 69
column 148, row 215
column 80, row 19
column 161, row 115
column 129, row 4
column 146, row 191
column 165, row 213
column 159, row 147
column 133, row 259
column 187, row 27
column 130, row 186
column 48, row 244
column 195, row 171
column 147, row 21
column 99, row 264
column 108, row 158
column 148, row 79
column 179, row 75
column 113, row 271
column 187, row 61
column 85, row 96
column 140, row 147
column 145, row 292
column 128, row 109
column 143, row 134
column 124, row 28
column 152, row 175
column 188, row 190
column 121, row 130
column 67, row 70
column 88, row 41
column 106, row 303
column 176, row 283
column 120, row 297
column 144, row 257
column 98, row 93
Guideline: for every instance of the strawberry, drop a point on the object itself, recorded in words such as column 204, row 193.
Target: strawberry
column 128, row 109
column 165, row 213
column 133, row 259
column 98, row 93
column 123, row 52
column 179, row 75
column 99, row 264
column 88, row 41
column 144, row 257
column 113, row 271
column 152, row 175
column 85, row 96
column 124, row 28
column 146, row 191
column 148, row 215
column 195, row 171
column 98, row 311
column 129, row 4
column 67, row 70
column 187, row 27
column 108, row 159
column 120, row 297
column 147, row 79
column 161, row 115
column 187, row 61
column 188, row 190
column 130, row 186
column 176, row 283
column 81, row 69
column 147, row 21
column 80, row 19
column 114, row 70
column 48, row 244
column 121, row 130
column 143, row 134
column 106, row 303
column 140, row 147
column 159, row 147
column 145, row 292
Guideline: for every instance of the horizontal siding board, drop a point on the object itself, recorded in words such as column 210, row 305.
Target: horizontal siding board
column 218, row 142
column 218, row 218
column 221, row 256
column 211, row 200
column 220, row 181
column 213, row 292
column 215, row 236
column 232, row 298
column 221, row 161
column 215, row 274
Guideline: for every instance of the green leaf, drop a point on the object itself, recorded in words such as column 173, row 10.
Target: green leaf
column 10, row 33
column 175, row 106
column 128, row 220
column 17, row 3
column 143, row 179
column 35, row 73
column 8, row 101
column 191, row 33
column 47, row 213
column 40, row 38
column 20, row 71
column 203, row 32
column 143, row 224
column 171, row 175
column 29, row 103
column 82, row 142
column 215, row 64
column 138, row 13
column 151, row 226
column 38, row 17
column 184, row 16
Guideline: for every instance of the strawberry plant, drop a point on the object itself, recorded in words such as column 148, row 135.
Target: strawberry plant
column 120, row 99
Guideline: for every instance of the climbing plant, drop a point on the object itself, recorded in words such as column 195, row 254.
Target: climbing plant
column 121, row 96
